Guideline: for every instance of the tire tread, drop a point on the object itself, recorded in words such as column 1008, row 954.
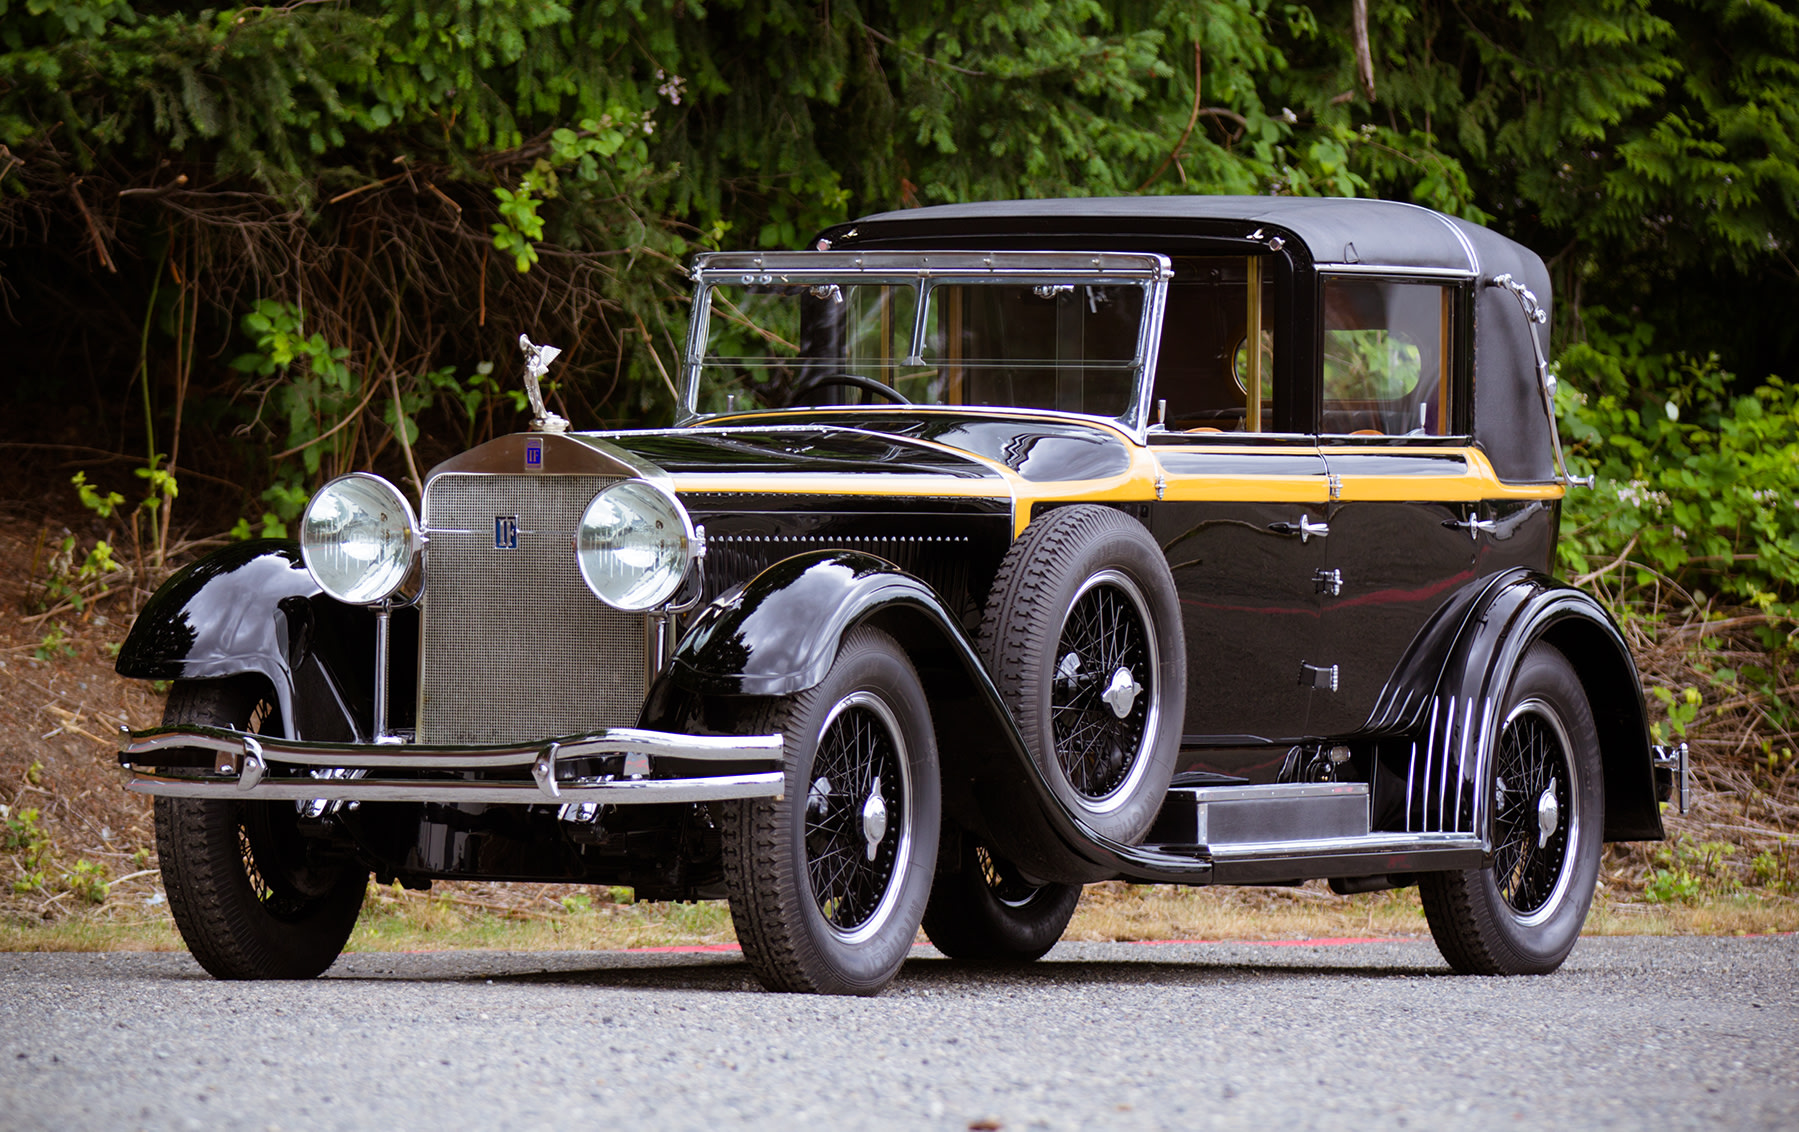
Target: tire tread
column 203, row 878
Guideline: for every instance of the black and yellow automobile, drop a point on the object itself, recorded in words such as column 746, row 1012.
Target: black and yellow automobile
column 998, row 549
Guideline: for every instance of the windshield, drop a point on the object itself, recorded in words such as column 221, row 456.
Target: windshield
column 1066, row 345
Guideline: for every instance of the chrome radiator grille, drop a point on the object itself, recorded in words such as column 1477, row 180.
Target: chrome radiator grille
column 514, row 646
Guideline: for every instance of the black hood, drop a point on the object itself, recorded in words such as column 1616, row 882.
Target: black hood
column 889, row 444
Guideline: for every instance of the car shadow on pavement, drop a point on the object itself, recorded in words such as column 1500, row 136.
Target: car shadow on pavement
column 626, row 971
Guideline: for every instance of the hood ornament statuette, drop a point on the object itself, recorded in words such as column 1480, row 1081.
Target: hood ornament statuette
column 537, row 363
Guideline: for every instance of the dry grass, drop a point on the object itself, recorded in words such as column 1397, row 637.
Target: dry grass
column 1117, row 911
column 562, row 918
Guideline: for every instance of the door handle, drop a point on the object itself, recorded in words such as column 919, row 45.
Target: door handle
column 1474, row 527
column 1305, row 528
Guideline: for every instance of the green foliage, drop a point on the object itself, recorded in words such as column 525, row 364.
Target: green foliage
column 26, row 841
column 87, row 881
column 53, row 645
column 1679, row 712
column 1775, row 870
column 1696, row 482
column 72, row 578
column 1690, row 870
column 101, row 505
column 306, row 381
column 1648, row 148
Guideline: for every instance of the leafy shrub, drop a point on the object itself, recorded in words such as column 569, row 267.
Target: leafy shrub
column 1689, row 870
column 22, row 836
column 87, row 880
column 1697, row 483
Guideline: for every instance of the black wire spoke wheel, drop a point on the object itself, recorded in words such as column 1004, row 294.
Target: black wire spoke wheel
column 861, row 789
column 985, row 907
column 276, row 898
column 828, row 882
column 1003, row 879
column 1083, row 637
column 1522, row 913
column 1102, row 693
column 1534, row 808
column 253, row 897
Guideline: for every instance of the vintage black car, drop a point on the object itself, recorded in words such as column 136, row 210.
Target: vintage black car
column 998, row 549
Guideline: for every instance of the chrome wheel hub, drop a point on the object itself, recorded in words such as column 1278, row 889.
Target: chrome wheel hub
column 1549, row 813
column 874, row 820
column 1121, row 694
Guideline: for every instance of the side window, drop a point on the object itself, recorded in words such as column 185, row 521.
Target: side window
column 1387, row 351
column 1207, row 375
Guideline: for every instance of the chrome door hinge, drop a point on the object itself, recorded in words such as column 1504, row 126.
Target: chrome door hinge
column 1336, row 485
column 1314, row 676
column 1161, row 485
column 1328, row 582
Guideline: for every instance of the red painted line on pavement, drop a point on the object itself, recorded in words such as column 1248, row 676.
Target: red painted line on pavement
column 1341, row 941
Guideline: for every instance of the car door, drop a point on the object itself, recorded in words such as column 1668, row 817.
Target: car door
column 1240, row 520
column 1406, row 486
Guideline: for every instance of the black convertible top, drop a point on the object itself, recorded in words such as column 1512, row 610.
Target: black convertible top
column 1509, row 421
column 1336, row 230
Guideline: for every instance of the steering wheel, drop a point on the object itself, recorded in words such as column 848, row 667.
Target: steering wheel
column 813, row 384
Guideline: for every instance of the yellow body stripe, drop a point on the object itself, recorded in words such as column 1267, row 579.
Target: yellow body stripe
column 1479, row 482
column 1139, row 482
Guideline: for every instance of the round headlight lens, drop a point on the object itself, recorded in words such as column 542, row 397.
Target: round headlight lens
column 634, row 545
column 358, row 537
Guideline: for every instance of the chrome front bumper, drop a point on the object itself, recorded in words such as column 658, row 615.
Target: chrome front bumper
column 265, row 767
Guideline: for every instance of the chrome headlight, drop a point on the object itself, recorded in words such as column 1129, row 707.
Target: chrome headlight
column 634, row 545
column 358, row 538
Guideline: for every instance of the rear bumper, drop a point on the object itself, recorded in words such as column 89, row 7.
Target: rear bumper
column 220, row 763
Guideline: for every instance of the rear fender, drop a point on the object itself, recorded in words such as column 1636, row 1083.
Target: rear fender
column 253, row 609
column 779, row 634
column 1444, row 768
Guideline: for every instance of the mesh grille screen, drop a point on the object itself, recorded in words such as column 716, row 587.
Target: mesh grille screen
column 515, row 646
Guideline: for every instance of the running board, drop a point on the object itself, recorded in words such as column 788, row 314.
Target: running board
column 1288, row 811
column 1374, row 854
column 1297, row 831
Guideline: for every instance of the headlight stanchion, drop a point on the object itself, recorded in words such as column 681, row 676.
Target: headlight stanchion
column 662, row 629
column 360, row 541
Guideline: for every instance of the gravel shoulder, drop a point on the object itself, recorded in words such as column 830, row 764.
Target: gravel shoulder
column 1665, row 1032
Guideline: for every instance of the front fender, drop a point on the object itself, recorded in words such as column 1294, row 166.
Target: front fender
column 779, row 635
column 246, row 609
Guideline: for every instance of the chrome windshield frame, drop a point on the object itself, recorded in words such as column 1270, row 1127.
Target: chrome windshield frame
column 927, row 270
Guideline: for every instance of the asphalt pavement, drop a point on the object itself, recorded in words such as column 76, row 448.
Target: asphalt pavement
column 1632, row 1033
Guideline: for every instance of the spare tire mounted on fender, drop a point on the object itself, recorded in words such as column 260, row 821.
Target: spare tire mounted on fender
column 1082, row 634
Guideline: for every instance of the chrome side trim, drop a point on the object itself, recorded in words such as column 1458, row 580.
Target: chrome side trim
column 785, row 267
column 1274, row 791
column 1374, row 843
column 1438, row 274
